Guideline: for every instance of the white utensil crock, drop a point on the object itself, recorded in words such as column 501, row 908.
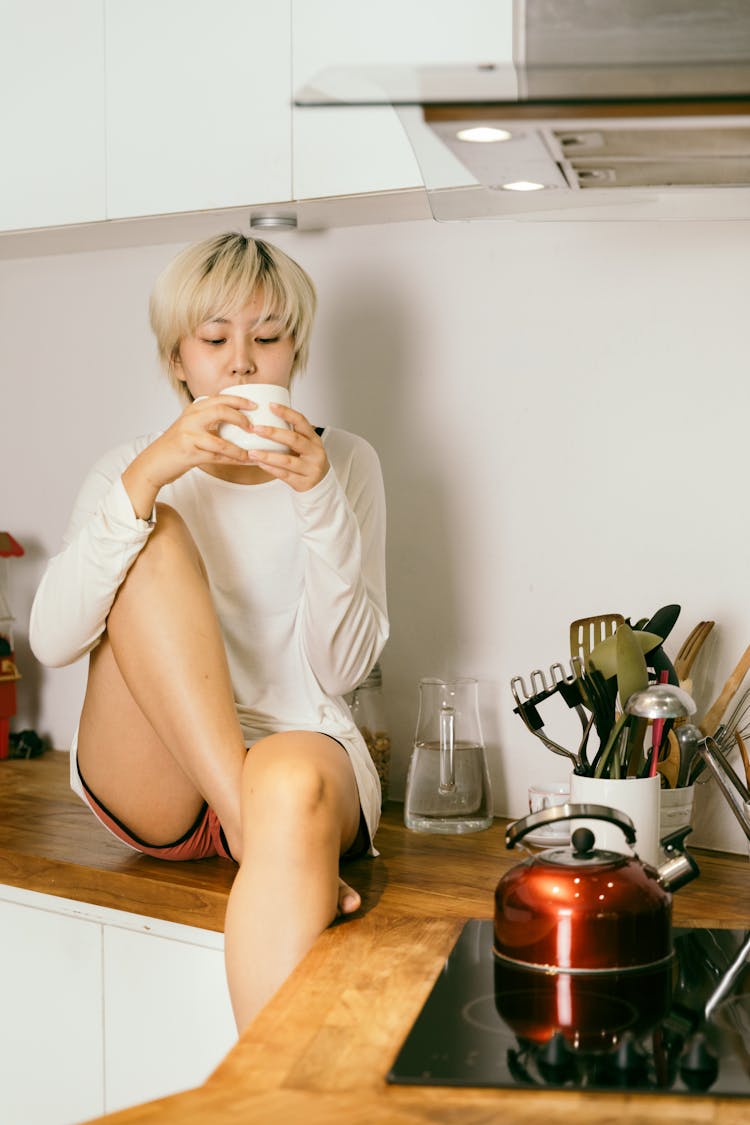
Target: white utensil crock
column 638, row 797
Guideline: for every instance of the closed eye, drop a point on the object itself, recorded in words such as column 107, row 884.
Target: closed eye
column 268, row 339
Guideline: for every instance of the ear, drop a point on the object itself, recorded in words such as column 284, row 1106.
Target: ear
column 175, row 364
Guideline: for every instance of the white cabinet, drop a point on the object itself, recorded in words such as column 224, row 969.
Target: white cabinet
column 168, row 1018
column 51, row 112
column 103, row 1009
column 51, row 1069
column 124, row 108
column 198, row 105
column 345, row 151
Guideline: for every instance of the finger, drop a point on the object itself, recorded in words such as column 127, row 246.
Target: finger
column 313, row 463
column 296, row 471
column 295, row 419
column 220, row 449
column 290, row 438
column 281, row 462
column 212, row 412
column 222, row 413
column 237, row 402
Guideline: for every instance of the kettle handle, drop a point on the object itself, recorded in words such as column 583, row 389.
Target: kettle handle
column 516, row 832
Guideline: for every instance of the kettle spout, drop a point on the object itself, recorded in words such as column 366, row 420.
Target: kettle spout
column 679, row 867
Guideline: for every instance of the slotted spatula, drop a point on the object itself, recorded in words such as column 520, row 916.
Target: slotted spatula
column 587, row 632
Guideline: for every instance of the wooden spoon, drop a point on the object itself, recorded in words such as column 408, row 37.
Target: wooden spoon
column 669, row 764
column 744, row 755
column 713, row 716
column 689, row 650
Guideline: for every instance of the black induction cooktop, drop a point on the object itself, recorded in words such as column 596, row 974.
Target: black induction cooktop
column 488, row 1024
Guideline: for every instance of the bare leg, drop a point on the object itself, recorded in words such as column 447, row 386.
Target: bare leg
column 159, row 734
column 300, row 811
column 159, row 729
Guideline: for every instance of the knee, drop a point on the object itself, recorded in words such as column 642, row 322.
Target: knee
column 170, row 538
column 169, row 524
column 288, row 783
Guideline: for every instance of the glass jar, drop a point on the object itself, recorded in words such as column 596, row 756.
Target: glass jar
column 368, row 711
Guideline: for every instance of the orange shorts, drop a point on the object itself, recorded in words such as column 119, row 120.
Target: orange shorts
column 205, row 839
column 202, row 841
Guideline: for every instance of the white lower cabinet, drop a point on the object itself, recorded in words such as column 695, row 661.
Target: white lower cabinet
column 168, row 1021
column 51, row 1064
column 103, row 1009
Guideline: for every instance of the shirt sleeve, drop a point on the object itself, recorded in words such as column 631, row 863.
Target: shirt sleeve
column 75, row 595
column 343, row 617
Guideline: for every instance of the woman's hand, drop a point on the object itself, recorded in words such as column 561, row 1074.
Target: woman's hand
column 191, row 440
column 306, row 463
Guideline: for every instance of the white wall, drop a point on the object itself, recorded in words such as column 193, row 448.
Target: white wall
column 561, row 410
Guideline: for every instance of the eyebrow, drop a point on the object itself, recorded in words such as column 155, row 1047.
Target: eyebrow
column 223, row 320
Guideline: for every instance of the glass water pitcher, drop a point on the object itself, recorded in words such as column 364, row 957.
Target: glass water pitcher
column 448, row 784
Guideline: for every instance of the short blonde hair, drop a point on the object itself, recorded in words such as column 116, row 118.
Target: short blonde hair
column 219, row 276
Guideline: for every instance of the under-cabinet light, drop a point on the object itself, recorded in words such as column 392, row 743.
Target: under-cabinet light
column 523, row 185
column 273, row 222
column 483, row 134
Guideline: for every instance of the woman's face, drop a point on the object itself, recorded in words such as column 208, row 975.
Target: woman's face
column 233, row 349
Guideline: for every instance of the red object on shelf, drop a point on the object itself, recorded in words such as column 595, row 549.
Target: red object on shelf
column 9, row 548
column 8, row 677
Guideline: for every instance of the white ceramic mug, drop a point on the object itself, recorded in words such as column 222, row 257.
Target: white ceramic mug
column 263, row 394
column 638, row 797
column 545, row 795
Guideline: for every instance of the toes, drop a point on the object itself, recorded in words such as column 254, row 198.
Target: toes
column 349, row 900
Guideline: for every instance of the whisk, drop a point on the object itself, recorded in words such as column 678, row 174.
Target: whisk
column 738, row 722
column 724, row 738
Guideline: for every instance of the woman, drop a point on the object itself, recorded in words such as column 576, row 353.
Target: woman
column 228, row 600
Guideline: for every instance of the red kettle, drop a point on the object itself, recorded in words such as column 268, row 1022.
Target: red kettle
column 581, row 910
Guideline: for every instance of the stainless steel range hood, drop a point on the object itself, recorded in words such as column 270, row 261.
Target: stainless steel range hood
column 615, row 109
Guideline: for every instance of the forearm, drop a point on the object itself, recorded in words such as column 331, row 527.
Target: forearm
column 343, row 616
column 142, row 483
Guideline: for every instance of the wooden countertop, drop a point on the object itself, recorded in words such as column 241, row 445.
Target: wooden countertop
column 320, row 1049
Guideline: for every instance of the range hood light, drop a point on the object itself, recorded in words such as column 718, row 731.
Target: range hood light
column 523, row 185
column 483, row 134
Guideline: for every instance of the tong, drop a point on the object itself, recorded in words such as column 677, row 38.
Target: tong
column 735, row 791
column 728, row 978
column 542, row 688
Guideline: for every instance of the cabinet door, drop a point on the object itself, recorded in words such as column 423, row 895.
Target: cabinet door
column 50, row 983
column 51, row 112
column 167, row 1016
column 347, row 151
column 198, row 105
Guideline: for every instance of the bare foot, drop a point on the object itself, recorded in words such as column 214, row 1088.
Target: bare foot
column 349, row 899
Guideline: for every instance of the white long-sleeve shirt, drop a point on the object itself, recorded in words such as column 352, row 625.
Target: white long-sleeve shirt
column 298, row 582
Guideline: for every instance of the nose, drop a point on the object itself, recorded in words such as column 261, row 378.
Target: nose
column 243, row 363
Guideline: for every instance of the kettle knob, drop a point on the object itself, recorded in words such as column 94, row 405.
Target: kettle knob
column 583, row 840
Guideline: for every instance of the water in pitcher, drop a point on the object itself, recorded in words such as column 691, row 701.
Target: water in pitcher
column 455, row 804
